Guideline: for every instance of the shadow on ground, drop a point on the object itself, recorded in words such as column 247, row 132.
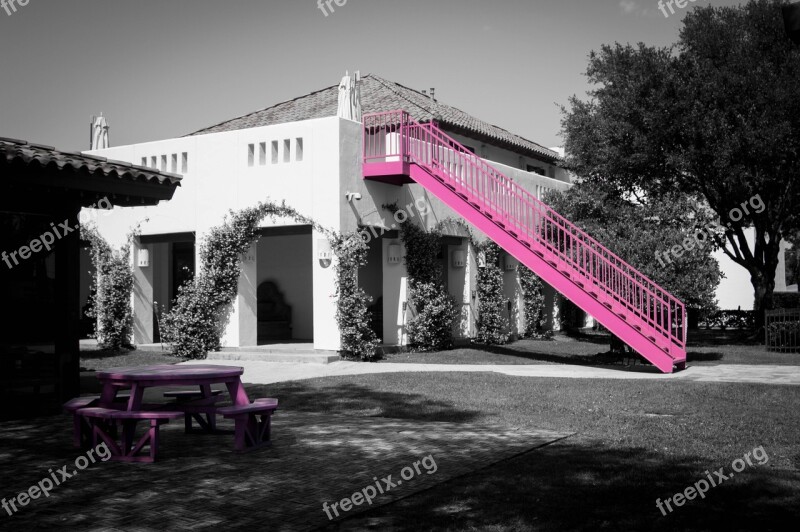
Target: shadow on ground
column 578, row 485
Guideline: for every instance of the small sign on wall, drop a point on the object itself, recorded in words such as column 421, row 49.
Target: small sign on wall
column 324, row 252
column 144, row 258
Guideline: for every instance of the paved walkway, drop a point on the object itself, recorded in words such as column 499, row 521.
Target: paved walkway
column 267, row 372
column 200, row 483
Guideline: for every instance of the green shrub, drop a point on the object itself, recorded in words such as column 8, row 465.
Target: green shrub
column 352, row 315
column 434, row 310
column 493, row 323
column 195, row 324
column 112, row 287
column 431, row 328
column 533, row 302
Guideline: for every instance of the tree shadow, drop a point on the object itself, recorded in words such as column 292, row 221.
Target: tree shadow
column 576, row 484
column 699, row 356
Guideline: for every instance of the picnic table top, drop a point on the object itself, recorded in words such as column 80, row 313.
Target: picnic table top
column 169, row 372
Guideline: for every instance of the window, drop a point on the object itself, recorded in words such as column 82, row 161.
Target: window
column 262, row 153
column 251, row 154
column 298, row 151
column 163, row 163
column 287, row 151
column 274, row 152
column 470, row 148
column 144, row 161
column 535, row 169
column 184, row 162
column 174, row 163
column 154, row 162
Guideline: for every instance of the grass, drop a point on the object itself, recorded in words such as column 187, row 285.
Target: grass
column 96, row 359
column 706, row 348
column 635, row 441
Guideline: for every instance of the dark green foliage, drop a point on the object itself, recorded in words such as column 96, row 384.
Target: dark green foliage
column 357, row 337
column 493, row 323
column 431, row 326
column 715, row 118
column 635, row 232
column 198, row 317
column 533, row 302
column 112, row 287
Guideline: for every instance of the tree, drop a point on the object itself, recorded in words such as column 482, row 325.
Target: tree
column 715, row 118
column 642, row 235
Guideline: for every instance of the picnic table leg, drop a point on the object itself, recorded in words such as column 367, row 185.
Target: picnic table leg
column 135, row 401
column 108, row 394
column 77, row 427
column 211, row 418
column 128, row 431
column 237, row 392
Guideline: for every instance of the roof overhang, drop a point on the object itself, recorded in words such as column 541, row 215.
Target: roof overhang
column 41, row 175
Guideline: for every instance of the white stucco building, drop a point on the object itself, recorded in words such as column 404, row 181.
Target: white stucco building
column 300, row 151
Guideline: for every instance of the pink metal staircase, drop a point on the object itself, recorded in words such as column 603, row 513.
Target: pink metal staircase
column 399, row 150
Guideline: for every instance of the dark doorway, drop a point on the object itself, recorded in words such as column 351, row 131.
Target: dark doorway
column 274, row 315
column 182, row 266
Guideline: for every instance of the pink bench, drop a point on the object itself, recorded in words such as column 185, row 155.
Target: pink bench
column 103, row 423
column 194, row 404
column 252, row 423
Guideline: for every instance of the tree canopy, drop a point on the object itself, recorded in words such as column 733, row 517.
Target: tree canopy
column 634, row 231
column 714, row 118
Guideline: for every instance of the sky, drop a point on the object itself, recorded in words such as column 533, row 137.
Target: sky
column 160, row 69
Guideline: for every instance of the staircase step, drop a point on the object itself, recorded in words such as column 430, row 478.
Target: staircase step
column 475, row 205
column 461, row 195
column 526, row 244
column 512, row 233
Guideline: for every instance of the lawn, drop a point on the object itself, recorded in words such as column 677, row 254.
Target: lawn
column 706, row 348
column 635, row 441
column 95, row 359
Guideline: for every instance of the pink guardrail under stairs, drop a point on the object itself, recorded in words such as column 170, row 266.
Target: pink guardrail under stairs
column 399, row 150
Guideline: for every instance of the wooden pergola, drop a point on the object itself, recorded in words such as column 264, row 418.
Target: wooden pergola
column 42, row 188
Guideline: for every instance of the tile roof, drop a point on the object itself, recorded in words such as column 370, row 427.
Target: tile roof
column 20, row 152
column 381, row 95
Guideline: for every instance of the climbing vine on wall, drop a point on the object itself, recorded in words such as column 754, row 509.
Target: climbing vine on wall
column 352, row 314
column 112, row 287
column 493, row 323
column 195, row 323
column 533, row 303
column 434, row 310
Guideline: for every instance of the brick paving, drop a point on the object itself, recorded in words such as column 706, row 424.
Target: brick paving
column 199, row 482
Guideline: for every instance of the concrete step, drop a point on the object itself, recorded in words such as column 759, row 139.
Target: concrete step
column 290, row 357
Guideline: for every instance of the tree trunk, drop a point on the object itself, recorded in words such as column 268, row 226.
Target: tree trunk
column 763, row 288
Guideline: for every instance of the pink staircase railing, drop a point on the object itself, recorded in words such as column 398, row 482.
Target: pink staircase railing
column 395, row 138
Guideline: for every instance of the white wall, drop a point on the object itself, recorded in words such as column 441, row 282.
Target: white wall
column 494, row 154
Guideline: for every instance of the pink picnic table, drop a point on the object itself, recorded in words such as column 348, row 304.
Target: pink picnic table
column 201, row 375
